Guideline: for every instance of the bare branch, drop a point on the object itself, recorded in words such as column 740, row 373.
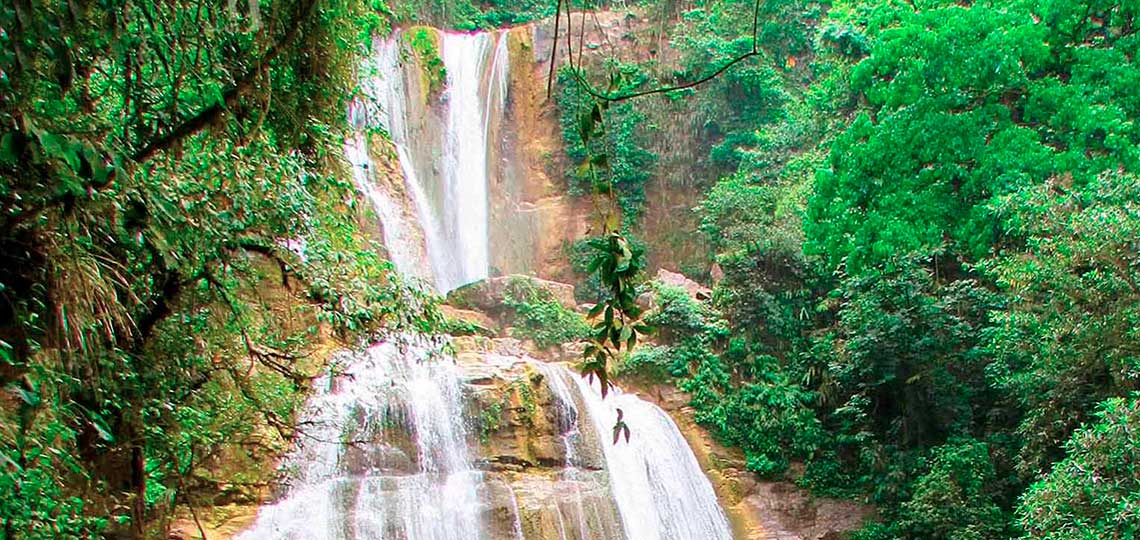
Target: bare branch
column 613, row 98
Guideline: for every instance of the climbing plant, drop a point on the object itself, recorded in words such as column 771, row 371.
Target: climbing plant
column 615, row 260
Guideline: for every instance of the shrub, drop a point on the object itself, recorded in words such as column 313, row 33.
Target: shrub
column 540, row 317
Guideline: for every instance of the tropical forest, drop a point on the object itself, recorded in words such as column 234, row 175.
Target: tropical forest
column 569, row 270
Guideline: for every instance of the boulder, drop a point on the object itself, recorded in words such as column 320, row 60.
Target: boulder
column 647, row 300
column 487, row 295
column 716, row 273
column 482, row 323
column 788, row 512
column 570, row 352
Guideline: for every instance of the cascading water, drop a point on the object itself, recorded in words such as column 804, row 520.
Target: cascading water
column 384, row 453
column 384, row 450
column 464, row 161
column 381, row 454
column 660, row 490
column 446, row 158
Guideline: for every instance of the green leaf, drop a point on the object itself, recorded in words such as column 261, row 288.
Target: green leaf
column 596, row 310
column 585, row 128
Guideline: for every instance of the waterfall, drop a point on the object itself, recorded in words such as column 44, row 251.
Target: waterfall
column 384, row 453
column 384, row 450
column 442, row 139
column 660, row 490
column 464, row 161
column 408, row 235
column 658, row 484
column 401, row 235
column 381, row 453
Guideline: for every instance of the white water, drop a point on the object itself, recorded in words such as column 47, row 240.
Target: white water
column 559, row 381
column 445, row 179
column 408, row 240
column 382, row 454
column 383, row 448
column 660, row 490
column 464, row 160
column 400, row 235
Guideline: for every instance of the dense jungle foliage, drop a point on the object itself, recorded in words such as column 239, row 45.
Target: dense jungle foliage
column 923, row 219
column 926, row 228
column 175, row 235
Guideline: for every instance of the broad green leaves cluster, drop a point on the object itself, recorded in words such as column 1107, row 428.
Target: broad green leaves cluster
column 616, row 317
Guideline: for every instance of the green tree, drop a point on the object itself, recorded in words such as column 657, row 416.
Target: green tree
column 1068, row 339
column 1094, row 492
column 956, row 499
column 965, row 104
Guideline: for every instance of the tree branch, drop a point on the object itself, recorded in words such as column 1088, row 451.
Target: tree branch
column 208, row 115
column 613, row 98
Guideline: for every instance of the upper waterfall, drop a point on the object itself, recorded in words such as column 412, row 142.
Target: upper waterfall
column 442, row 142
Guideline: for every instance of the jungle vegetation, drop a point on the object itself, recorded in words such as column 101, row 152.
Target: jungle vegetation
column 923, row 216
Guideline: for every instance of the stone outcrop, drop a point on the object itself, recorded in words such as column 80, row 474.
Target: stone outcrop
column 478, row 319
column 674, row 279
column 525, row 450
column 487, row 295
column 523, row 447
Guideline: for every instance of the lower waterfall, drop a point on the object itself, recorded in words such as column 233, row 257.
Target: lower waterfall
column 386, row 449
column 381, row 452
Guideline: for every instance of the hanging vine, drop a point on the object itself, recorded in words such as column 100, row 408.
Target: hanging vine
column 616, row 318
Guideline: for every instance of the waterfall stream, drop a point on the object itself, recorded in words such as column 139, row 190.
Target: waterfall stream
column 384, row 451
column 660, row 490
column 381, row 452
column 441, row 139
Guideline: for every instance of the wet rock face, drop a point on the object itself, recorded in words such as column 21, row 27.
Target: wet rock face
column 521, row 424
column 545, row 510
column 788, row 513
column 545, row 474
column 360, row 459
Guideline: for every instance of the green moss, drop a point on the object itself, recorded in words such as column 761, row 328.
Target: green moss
column 490, row 420
column 527, row 402
column 460, row 327
column 424, row 42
